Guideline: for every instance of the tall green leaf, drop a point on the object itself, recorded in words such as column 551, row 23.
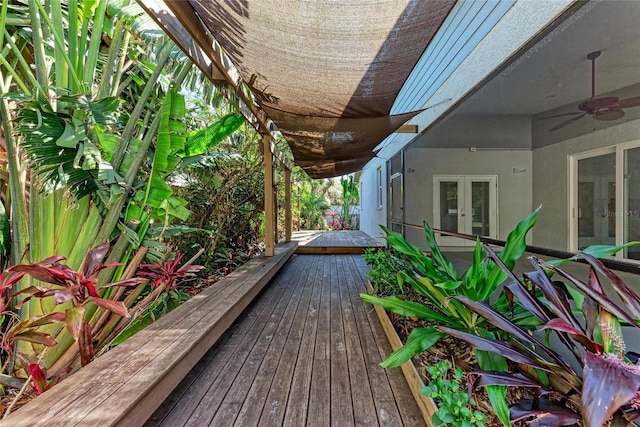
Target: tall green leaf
column 419, row 340
column 203, row 140
column 490, row 361
column 406, row 308
column 515, row 246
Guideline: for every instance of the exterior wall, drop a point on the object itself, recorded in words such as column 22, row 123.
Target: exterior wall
column 551, row 180
column 371, row 216
column 513, row 168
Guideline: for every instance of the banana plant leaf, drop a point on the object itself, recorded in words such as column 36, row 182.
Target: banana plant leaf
column 203, row 140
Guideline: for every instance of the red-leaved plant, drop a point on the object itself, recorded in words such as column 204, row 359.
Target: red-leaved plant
column 607, row 385
column 167, row 274
column 64, row 285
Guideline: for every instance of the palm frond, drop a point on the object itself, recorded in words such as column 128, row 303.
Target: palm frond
column 62, row 153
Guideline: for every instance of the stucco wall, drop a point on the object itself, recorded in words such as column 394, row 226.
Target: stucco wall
column 551, row 179
column 371, row 216
column 513, row 169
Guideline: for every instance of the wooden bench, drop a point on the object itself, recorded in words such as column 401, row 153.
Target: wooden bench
column 126, row 385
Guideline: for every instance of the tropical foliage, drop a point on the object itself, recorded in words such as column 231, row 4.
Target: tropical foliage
column 384, row 265
column 97, row 116
column 434, row 277
column 598, row 384
column 224, row 190
column 310, row 201
column 350, row 197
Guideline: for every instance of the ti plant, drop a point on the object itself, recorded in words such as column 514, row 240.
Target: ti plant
column 601, row 383
column 455, row 404
column 57, row 286
column 435, row 278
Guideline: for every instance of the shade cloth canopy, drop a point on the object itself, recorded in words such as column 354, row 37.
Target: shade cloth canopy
column 327, row 71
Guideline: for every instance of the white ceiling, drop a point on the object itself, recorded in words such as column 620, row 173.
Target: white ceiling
column 555, row 72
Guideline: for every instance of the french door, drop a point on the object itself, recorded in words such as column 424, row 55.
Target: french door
column 465, row 204
column 605, row 198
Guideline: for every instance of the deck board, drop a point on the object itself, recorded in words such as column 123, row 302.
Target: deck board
column 306, row 352
column 298, row 400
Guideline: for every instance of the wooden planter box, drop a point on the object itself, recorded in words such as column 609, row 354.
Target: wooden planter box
column 426, row 404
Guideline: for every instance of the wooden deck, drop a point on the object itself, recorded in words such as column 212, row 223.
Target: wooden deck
column 305, row 352
column 333, row 242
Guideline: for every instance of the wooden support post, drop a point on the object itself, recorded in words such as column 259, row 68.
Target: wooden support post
column 288, row 218
column 275, row 213
column 269, row 240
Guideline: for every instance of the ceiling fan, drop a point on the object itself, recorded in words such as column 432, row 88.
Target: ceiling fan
column 606, row 108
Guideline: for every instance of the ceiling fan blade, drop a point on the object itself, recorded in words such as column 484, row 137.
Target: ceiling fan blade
column 561, row 115
column 609, row 114
column 567, row 122
column 594, row 104
column 629, row 102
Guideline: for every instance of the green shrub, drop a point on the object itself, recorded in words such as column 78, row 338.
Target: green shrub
column 455, row 406
column 384, row 266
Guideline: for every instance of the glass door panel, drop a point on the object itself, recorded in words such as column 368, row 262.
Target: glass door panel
column 480, row 209
column 449, row 206
column 596, row 200
column 631, row 201
column 395, row 214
